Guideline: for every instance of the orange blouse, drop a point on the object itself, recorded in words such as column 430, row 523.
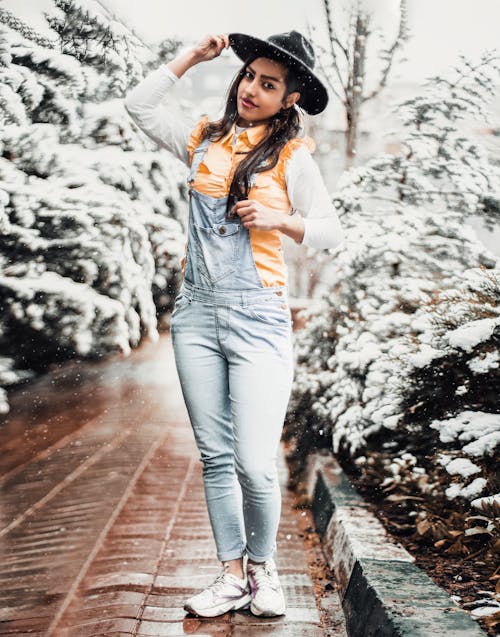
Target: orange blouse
column 214, row 178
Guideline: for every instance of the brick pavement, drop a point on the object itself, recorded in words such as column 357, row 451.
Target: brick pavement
column 103, row 524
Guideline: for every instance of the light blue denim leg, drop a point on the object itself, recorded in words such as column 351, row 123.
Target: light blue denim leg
column 260, row 356
column 260, row 385
column 203, row 374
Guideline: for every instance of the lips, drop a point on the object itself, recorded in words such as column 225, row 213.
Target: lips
column 247, row 103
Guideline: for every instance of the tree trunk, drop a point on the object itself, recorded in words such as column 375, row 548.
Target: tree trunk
column 355, row 88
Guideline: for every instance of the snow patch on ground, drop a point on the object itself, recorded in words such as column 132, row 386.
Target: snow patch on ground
column 467, row 336
column 468, row 492
column 488, row 500
column 463, row 467
column 467, row 426
column 482, row 365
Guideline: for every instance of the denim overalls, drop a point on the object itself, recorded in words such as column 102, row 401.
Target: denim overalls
column 232, row 341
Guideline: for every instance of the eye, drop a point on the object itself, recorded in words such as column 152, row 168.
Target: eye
column 267, row 85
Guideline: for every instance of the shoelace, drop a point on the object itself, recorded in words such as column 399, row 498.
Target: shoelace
column 218, row 581
column 263, row 575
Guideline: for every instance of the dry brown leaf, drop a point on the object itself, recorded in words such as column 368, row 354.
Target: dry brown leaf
column 399, row 497
column 457, row 548
column 493, row 620
column 477, row 517
column 423, row 527
column 440, row 543
column 477, row 530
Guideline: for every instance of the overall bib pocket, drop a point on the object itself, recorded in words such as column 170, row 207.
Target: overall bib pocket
column 217, row 249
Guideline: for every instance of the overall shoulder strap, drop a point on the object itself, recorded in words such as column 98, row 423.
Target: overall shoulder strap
column 195, row 136
column 197, row 158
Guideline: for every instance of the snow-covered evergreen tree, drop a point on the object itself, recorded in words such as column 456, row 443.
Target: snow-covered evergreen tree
column 91, row 215
column 398, row 371
column 85, row 32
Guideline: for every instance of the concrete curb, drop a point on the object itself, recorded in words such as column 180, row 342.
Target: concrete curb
column 383, row 593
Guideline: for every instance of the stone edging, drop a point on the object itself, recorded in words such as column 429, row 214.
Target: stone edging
column 383, row 593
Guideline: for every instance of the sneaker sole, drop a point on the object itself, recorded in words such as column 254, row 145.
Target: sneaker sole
column 266, row 612
column 238, row 604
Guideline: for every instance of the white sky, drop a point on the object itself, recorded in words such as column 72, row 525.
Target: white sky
column 441, row 28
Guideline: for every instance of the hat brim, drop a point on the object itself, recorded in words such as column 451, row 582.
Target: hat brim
column 315, row 97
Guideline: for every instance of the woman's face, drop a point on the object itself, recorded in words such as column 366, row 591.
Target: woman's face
column 261, row 92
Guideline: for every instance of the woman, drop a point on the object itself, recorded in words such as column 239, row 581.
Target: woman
column 252, row 179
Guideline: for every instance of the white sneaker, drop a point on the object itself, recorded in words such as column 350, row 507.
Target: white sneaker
column 226, row 592
column 267, row 595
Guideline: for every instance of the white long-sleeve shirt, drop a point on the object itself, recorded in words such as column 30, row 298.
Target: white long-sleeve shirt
column 147, row 105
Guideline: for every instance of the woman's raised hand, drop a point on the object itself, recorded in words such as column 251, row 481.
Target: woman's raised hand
column 207, row 48
column 210, row 46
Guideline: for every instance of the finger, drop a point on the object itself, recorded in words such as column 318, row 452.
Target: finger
column 242, row 210
column 236, row 208
column 243, row 203
column 248, row 217
column 215, row 40
column 211, row 43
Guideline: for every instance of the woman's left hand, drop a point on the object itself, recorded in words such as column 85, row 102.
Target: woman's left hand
column 254, row 215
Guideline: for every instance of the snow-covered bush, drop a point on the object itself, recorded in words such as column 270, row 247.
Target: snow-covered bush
column 91, row 214
column 398, row 372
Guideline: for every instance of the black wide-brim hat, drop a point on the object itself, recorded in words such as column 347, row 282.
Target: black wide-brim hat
column 291, row 49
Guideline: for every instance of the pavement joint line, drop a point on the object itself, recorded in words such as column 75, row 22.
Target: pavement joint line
column 182, row 491
column 43, row 453
column 382, row 590
column 68, row 479
column 107, row 527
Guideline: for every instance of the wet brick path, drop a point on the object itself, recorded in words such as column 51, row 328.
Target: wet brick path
column 103, row 524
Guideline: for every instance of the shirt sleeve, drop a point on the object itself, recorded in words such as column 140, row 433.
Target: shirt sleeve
column 159, row 117
column 308, row 194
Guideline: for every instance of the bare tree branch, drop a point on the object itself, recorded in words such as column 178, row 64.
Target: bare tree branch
column 333, row 39
column 401, row 37
column 351, row 94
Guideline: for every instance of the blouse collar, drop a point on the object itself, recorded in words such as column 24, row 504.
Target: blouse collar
column 251, row 135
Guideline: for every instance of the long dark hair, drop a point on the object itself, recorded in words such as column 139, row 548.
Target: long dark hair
column 282, row 127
